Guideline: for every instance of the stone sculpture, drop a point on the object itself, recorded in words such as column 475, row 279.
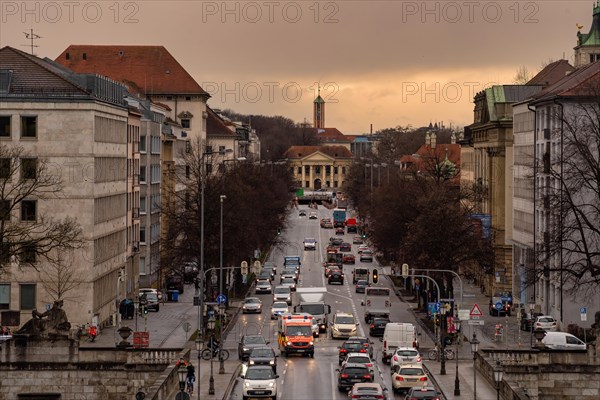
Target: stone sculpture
column 51, row 323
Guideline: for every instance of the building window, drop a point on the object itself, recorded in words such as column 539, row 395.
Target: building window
column 307, row 169
column 4, row 125
column 4, row 210
column 5, row 167
column 299, row 170
column 28, row 210
column 208, row 149
column 4, row 296
column 327, row 184
column 221, row 149
column 335, row 170
column 28, row 168
column 306, row 184
column 335, row 184
column 28, row 252
column 27, row 296
column 142, row 204
column 187, row 171
column 155, row 144
column 188, row 98
column 142, row 235
column 142, row 265
column 343, row 170
column 186, row 123
column 318, row 169
column 29, row 127
column 143, row 144
column 327, row 170
column 142, row 174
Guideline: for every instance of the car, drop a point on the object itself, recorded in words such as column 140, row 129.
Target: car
column 282, row 293
column 158, row 292
column 270, row 270
column 407, row 377
column 289, row 282
column 289, row 273
column 259, row 381
column 367, row 344
column 310, row 243
column 350, row 374
column 336, row 276
column 190, row 272
column 315, row 327
column 345, row 246
column 151, row 299
column 278, row 308
column 361, row 286
column 546, row 322
column 247, row 343
column 366, row 255
column 363, row 247
column 313, row 215
column 264, row 275
column 343, row 326
column 349, row 347
column 302, row 213
column 326, row 223
column 349, row 259
column 263, row 286
column 252, row 305
column 335, row 241
column 527, row 321
column 339, row 231
column 263, row 356
column 271, row 265
column 424, row 393
column 502, row 310
column 405, row 355
column 329, row 269
column 357, row 240
column 359, row 358
column 175, row 282
column 377, row 326
column 367, row 391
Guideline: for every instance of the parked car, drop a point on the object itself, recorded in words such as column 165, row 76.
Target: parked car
column 158, row 292
column 546, row 322
column 259, row 381
column 424, row 393
column 278, row 308
column 361, row 286
column 249, row 342
column 366, row 256
column 263, row 356
column 527, row 321
column 263, row 286
column 252, row 305
column 349, row 259
column 351, row 374
column 407, row 377
column 345, row 247
column 563, row 341
column 367, row 391
column 377, row 326
column 151, row 299
column 190, row 272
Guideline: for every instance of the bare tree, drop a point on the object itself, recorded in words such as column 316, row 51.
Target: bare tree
column 60, row 277
column 522, row 76
column 26, row 235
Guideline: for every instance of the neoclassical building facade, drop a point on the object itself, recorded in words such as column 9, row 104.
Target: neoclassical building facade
column 318, row 167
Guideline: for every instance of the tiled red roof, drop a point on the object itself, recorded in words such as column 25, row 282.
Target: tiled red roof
column 215, row 126
column 332, row 135
column 297, row 152
column 437, row 155
column 552, row 73
column 162, row 105
column 146, row 69
column 581, row 82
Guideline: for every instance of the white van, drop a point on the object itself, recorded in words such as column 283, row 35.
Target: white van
column 396, row 335
column 562, row 341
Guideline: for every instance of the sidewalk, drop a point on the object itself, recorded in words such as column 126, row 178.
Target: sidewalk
column 166, row 330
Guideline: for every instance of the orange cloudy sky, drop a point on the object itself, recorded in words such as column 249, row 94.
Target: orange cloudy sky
column 385, row 63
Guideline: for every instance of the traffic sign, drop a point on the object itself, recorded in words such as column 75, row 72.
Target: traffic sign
column 583, row 314
column 436, row 308
column 583, row 310
column 498, row 306
column 244, row 268
column 404, row 270
column 257, row 266
column 448, row 307
column 475, row 322
column 221, row 299
column 475, row 311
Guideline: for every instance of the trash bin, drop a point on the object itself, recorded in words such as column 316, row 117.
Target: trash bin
column 175, row 296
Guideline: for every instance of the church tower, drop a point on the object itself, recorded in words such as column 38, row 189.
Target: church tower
column 319, row 111
column 588, row 45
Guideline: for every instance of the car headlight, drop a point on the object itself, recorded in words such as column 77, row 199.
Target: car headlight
column 354, row 329
column 311, row 343
column 247, row 384
column 271, row 384
column 245, row 349
column 251, row 362
column 272, row 362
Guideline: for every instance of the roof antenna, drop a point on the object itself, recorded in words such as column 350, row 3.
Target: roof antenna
column 32, row 36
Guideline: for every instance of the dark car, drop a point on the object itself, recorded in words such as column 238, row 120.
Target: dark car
column 367, row 344
column 345, row 247
column 263, row 356
column 272, row 265
column 151, row 300
column 190, row 272
column 351, row 374
column 264, row 275
column 350, row 347
column 248, row 343
column 336, row 276
column 426, row 393
column 175, row 282
column 499, row 307
column 339, row 231
column 361, row 286
column 302, row 213
column 527, row 321
column 377, row 326
column 335, row 241
column 270, row 270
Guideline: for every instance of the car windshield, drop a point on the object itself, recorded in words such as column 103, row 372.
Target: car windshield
column 358, row 359
column 280, row 304
column 299, row 331
column 313, row 309
column 252, row 301
column 546, row 319
column 282, row 290
column 378, row 321
column 344, row 320
column 262, row 353
column 288, row 280
column 151, row 296
column 356, row 371
column 263, row 283
column 354, row 346
column 411, row 371
column 309, row 240
column 407, row 353
column 254, row 340
column 361, row 283
column 259, row 374
column 422, row 394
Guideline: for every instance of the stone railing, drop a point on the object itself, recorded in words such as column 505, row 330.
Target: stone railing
column 167, row 380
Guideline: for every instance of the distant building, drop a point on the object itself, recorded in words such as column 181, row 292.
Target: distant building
column 588, row 45
column 317, row 167
column 319, row 111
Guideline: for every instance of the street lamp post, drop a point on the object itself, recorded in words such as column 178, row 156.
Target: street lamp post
column 221, row 306
column 443, row 341
column 456, row 379
column 474, row 350
column 199, row 348
column 181, row 375
column 211, row 381
column 498, row 373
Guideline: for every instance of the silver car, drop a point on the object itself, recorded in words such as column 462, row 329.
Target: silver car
column 252, row 305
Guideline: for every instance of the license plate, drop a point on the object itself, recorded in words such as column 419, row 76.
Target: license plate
column 411, row 380
column 355, row 380
column 259, row 392
column 406, row 358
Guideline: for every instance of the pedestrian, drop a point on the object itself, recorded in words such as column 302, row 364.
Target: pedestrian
column 190, row 378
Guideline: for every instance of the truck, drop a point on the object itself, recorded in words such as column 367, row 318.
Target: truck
column 359, row 274
column 294, row 334
column 292, row 261
column 377, row 302
column 397, row 335
column 339, row 218
column 351, row 226
column 312, row 300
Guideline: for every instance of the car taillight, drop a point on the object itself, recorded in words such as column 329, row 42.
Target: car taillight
column 343, row 375
column 419, row 359
column 379, row 396
column 372, row 326
column 423, row 379
column 395, row 358
column 343, row 351
column 363, row 351
column 399, row 378
column 367, row 376
column 384, row 345
column 369, row 365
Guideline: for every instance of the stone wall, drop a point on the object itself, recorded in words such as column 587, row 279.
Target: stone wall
column 61, row 367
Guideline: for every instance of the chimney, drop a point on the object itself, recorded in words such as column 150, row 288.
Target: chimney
column 371, row 131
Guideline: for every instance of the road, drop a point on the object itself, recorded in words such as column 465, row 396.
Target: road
column 316, row 378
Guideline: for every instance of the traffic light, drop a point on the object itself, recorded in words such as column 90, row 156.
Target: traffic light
column 437, row 319
column 145, row 310
column 375, row 276
column 278, row 231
